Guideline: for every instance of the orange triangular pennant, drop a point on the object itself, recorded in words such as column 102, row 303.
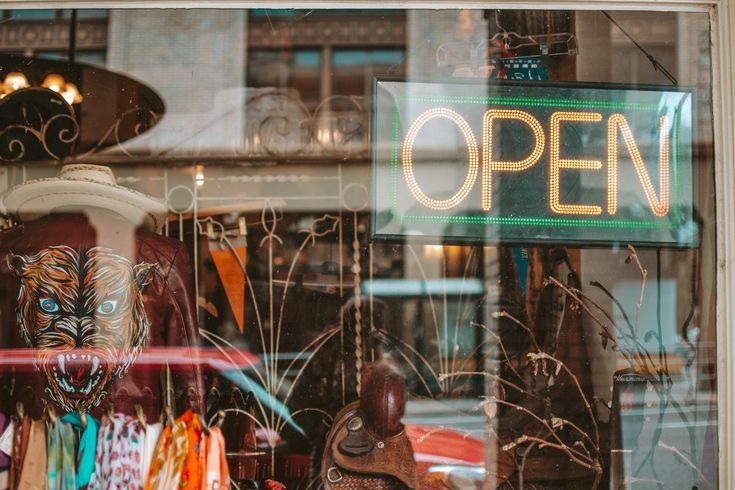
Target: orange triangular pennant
column 232, row 276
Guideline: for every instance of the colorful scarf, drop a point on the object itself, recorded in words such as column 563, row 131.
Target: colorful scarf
column 152, row 434
column 87, row 443
column 4, row 460
column 33, row 472
column 118, row 455
column 20, row 445
column 61, row 456
column 191, row 477
column 216, row 474
column 170, row 458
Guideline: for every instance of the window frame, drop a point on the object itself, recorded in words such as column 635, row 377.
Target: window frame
column 722, row 28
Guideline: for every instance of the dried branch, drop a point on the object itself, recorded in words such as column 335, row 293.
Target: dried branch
column 685, row 460
column 502, row 348
column 551, row 427
column 607, row 334
column 629, row 480
column 504, row 314
column 595, row 466
column 644, row 274
column 494, row 377
column 616, row 302
column 588, row 406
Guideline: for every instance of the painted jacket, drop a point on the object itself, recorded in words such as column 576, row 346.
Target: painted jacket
column 94, row 312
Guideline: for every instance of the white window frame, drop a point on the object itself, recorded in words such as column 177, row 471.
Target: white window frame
column 722, row 21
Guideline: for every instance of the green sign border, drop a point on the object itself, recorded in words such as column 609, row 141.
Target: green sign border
column 525, row 221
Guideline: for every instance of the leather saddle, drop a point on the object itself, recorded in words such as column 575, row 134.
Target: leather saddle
column 367, row 446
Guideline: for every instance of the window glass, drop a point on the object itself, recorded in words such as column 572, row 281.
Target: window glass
column 32, row 14
column 371, row 248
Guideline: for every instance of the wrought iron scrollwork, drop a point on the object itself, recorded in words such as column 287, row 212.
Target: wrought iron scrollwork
column 279, row 124
column 37, row 124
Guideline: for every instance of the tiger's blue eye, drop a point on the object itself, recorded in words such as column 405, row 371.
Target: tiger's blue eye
column 48, row 305
column 107, row 307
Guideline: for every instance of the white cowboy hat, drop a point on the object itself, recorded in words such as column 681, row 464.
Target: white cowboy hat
column 83, row 187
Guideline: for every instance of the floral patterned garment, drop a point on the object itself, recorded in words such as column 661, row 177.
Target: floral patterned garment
column 170, row 458
column 118, row 456
column 191, row 476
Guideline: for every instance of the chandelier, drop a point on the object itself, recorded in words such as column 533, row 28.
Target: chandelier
column 16, row 80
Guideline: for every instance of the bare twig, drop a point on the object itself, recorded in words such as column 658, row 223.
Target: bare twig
column 627, row 352
column 633, row 345
column 504, row 314
column 502, row 348
column 493, row 377
column 685, row 460
column 630, row 480
column 594, row 466
column 587, row 405
column 644, row 274
column 551, row 427
column 616, row 302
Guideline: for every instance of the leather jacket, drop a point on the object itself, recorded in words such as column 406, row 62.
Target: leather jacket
column 84, row 300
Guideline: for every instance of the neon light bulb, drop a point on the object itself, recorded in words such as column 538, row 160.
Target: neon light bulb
column 556, row 163
column 490, row 165
column 658, row 207
column 473, row 159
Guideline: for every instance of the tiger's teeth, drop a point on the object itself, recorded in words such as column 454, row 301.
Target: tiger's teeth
column 95, row 364
column 60, row 358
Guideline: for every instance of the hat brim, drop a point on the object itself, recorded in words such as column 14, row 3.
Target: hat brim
column 37, row 198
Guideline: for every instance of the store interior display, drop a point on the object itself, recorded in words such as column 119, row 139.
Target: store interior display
column 196, row 292
column 367, row 446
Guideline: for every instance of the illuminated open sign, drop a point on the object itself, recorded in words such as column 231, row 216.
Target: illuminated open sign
column 533, row 164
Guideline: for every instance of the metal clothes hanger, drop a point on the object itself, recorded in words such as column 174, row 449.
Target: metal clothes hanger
column 512, row 44
column 533, row 45
column 140, row 415
column 82, row 418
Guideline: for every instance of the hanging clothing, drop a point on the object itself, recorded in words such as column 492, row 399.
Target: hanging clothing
column 87, row 445
column 118, row 455
column 162, row 310
column 152, row 434
column 20, row 445
column 216, row 475
column 170, row 458
column 204, row 443
column 191, row 476
column 4, row 459
column 102, row 456
column 34, row 469
column 61, row 456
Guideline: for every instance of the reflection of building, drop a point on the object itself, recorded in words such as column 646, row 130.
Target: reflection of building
column 45, row 34
column 324, row 54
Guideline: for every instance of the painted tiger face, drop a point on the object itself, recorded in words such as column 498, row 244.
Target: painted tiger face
column 82, row 313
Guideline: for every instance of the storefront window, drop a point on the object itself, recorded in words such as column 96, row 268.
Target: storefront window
column 357, row 249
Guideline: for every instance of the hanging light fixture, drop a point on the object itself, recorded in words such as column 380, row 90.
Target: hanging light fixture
column 16, row 80
column 68, row 90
